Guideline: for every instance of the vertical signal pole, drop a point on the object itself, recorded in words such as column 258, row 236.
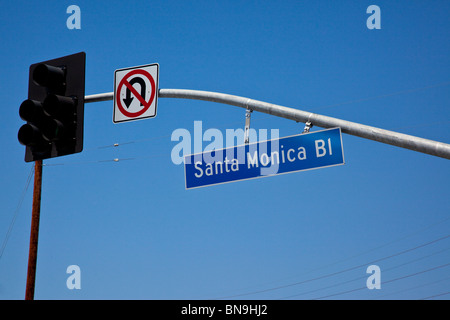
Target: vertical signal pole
column 54, row 112
column 32, row 256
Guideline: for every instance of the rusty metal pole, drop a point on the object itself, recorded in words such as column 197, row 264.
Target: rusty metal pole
column 32, row 256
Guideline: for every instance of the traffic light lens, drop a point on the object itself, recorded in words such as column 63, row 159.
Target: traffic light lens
column 30, row 110
column 29, row 135
column 53, row 130
column 55, row 105
column 49, row 76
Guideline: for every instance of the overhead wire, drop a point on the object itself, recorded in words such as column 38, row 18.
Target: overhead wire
column 436, row 295
column 384, row 282
column 412, row 288
column 365, row 251
column 336, row 272
column 364, row 277
column 16, row 211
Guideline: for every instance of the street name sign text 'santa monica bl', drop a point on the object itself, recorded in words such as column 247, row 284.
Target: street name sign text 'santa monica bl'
column 267, row 158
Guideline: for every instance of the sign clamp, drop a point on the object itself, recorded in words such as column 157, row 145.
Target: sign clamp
column 308, row 126
column 248, row 114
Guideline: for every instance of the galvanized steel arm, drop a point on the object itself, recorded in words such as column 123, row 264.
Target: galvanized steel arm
column 431, row 147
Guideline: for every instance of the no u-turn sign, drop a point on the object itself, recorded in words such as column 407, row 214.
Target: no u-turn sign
column 135, row 93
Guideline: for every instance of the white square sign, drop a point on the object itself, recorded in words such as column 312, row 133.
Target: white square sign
column 135, row 93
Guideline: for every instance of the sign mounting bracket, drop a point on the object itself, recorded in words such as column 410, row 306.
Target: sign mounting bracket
column 248, row 114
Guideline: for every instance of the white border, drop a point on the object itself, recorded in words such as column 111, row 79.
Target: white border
column 156, row 93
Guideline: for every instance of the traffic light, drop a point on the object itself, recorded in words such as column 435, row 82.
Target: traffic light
column 54, row 110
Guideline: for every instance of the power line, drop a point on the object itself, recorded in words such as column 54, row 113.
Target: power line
column 365, row 276
column 436, row 295
column 16, row 212
column 374, row 249
column 415, row 287
column 337, row 272
column 384, row 282
column 104, row 160
column 87, row 162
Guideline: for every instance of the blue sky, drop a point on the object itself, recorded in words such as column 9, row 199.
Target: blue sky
column 131, row 226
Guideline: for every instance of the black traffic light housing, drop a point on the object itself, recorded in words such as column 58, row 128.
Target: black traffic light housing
column 54, row 110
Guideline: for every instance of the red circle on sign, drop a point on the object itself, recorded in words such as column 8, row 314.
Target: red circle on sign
column 146, row 104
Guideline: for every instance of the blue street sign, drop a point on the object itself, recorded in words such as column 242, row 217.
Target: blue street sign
column 267, row 158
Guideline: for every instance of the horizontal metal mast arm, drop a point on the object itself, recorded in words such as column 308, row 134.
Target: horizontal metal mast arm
column 99, row 97
column 431, row 147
